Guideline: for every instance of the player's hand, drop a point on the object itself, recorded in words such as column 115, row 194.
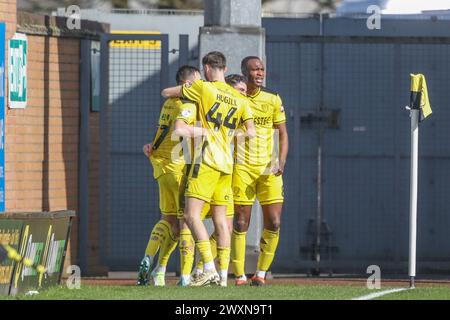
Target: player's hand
column 239, row 133
column 147, row 149
column 200, row 132
column 278, row 168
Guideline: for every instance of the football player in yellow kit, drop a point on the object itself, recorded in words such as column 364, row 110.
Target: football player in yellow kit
column 238, row 82
column 168, row 170
column 220, row 110
column 258, row 173
column 187, row 114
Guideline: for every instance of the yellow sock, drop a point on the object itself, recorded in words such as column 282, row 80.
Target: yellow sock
column 204, row 248
column 223, row 255
column 268, row 246
column 187, row 250
column 167, row 247
column 238, row 244
column 159, row 233
column 213, row 243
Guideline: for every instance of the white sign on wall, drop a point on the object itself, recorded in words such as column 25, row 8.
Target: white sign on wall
column 17, row 71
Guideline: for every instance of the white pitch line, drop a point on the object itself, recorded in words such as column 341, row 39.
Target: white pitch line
column 379, row 294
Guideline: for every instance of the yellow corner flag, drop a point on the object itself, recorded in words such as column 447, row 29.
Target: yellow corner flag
column 419, row 96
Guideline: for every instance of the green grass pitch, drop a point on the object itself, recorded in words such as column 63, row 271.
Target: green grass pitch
column 270, row 292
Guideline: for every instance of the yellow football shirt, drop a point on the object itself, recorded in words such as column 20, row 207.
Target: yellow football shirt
column 188, row 114
column 267, row 109
column 167, row 155
column 221, row 109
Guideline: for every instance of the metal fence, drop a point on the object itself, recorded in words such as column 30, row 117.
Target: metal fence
column 347, row 176
column 132, row 78
column 347, row 181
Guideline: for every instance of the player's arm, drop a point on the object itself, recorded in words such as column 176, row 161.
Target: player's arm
column 284, row 147
column 279, row 119
column 247, row 120
column 185, row 120
column 250, row 128
column 172, row 92
column 190, row 90
column 182, row 129
column 147, row 149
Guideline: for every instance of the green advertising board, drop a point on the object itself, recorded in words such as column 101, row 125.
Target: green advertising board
column 40, row 237
column 10, row 232
column 17, row 71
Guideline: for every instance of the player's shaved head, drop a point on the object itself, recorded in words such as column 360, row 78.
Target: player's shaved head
column 215, row 59
column 185, row 73
column 253, row 68
column 244, row 63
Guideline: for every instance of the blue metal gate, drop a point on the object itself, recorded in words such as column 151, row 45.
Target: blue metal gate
column 347, row 177
column 132, row 77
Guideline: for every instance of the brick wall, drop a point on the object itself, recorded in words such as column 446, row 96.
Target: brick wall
column 42, row 140
column 9, row 16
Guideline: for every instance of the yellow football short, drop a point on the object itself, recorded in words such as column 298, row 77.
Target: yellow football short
column 171, row 187
column 207, row 212
column 250, row 183
column 209, row 185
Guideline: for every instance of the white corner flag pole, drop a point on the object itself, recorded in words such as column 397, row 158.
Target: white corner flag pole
column 415, row 113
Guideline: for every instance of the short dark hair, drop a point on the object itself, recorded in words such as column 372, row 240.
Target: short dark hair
column 184, row 73
column 233, row 79
column 215, row 60
column 245, row 61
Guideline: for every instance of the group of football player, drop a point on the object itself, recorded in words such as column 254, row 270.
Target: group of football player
column 221, row 143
